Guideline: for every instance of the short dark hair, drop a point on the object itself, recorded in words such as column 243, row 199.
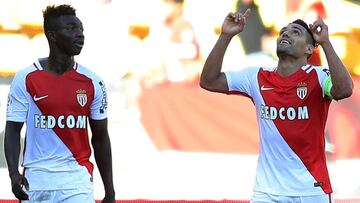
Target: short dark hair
column 52, row 12
column 304, row 25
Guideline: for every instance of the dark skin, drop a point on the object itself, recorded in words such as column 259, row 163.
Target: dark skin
column 293, row 50
column 65, row 41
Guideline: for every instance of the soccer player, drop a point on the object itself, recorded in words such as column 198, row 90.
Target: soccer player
column 292, row 102
column 57, row 98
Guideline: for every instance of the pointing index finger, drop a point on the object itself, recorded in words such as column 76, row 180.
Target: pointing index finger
column 247, row 12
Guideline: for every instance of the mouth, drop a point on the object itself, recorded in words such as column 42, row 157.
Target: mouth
column 79, row 43
column 284, row 41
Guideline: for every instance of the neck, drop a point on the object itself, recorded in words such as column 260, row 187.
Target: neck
column 59, row 63
column 287, row 66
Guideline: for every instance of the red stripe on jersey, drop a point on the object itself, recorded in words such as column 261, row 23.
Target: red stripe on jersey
column 61, row 99
column 304, row 136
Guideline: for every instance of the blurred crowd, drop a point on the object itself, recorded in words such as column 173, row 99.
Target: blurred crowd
column 156, row 41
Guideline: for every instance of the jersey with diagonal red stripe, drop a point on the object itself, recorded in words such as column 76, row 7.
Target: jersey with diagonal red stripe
column 56, row 109
column 291, row 113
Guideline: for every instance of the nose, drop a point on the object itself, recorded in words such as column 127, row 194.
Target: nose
column 284, row 34
column 79, row 33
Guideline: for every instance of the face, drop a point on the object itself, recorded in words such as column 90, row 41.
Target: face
column 292, row 41
column 68, row 36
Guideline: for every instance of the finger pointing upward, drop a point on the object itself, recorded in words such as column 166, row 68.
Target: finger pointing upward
column 247, row 13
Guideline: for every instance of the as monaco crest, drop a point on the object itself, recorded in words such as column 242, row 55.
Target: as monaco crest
column 301, row 90
column 81, row 97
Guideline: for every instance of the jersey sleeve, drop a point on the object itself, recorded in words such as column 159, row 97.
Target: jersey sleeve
column 18, row 104
column 98, row 108
column 325, row 81
column 241, row 81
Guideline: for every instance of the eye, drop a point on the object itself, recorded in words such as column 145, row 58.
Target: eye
column 69, row 27
column 296, row 32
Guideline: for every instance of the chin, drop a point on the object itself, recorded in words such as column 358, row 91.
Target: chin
column 75, row 53
column 282, row 51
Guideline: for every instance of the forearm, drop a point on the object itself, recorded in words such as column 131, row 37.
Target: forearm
column 214, row 61
column 102, row 153
column 341, row 79
column 12, row 150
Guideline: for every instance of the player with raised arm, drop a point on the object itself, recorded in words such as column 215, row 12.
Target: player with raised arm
column 292, row 102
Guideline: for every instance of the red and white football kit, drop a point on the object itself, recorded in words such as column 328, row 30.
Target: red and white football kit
column 56, row 109
column 291, row 114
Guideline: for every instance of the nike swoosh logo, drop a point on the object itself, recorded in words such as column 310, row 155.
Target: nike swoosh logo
column 263, row 88
column 40, row 98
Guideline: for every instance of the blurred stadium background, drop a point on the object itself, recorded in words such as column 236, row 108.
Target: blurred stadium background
column 172, row 140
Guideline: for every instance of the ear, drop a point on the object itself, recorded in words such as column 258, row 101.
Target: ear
column 309, row 49
column 51, row 35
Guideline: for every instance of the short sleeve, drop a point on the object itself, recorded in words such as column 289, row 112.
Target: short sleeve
column 98, row 108
column 241, row 81
column 18, row 104
column 325, row 80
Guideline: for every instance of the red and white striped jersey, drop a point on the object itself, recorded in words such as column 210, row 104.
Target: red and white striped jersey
column 56, row 109
column 291, row 114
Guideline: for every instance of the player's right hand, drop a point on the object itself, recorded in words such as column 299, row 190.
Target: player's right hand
column 17, row 183
column 234, row 23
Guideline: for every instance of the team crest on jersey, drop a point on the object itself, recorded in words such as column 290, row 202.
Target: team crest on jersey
column 301, row 90
column 81, row 97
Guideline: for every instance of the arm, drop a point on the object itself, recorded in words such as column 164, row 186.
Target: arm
column 212, row 78
column 12, row 152
column 102, row 152
column 340, row 77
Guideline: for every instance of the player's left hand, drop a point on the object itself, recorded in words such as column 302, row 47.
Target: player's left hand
column 108, row 199
column 320, row 31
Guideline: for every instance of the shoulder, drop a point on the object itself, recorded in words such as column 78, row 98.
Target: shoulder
column 320, row 70
column 21, row 74
column 267, row 69
column 250, row 72
column 96, row 80
column 88, row 73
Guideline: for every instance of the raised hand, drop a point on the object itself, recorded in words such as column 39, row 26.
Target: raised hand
column 320, row 31
column 234, row 23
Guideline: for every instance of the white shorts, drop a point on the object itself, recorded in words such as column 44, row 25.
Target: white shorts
column 261, row 197
column 65, row 196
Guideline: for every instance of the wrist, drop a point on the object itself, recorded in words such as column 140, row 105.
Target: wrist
column 226, row 36
column 325, row 43
column 13, row 173
column 110, row 193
